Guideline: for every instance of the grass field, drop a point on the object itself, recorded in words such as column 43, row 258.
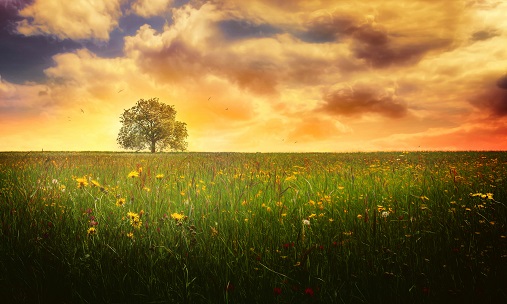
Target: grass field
column 418, row 227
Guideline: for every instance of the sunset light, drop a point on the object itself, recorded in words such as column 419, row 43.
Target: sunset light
column 257, row 76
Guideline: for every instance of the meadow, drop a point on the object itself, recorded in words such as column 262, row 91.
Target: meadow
column 390, row 227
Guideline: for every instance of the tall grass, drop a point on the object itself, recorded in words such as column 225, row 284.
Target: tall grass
column 258, row 228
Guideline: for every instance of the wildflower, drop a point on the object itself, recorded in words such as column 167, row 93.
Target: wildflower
column 62, row 188
column 54, row 181
column 81, row 182
column 312, row 215
column 277, row 291
column 359, row 216
column 146, row 189
column 95, row 183
column 130, row 235
column 133, row 174
column 177, row 216
column 306, row 222
column 134, row 220
column 159, row 176
column 268, row 209
column 309, row 292
column 120, row 202
column 91, row 231
column 214, row 232
column 290, row 178
column 136, row 223
column 385, row 214
column 331, row 220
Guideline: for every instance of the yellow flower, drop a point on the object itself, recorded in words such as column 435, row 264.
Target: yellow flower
column 359, row 216
column 120, row 202
column 81, row 182
column 130, row 235
column 136, row 223
column 290, row 178
column 91, row 231
column 159, row 176
column 133, row 174
column 95, row 183
column 177, row 216
column 268, row 209
column 146, row 189
column 132, row 216
column 214, row 231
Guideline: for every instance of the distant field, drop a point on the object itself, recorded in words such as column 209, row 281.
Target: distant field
column 418, row 227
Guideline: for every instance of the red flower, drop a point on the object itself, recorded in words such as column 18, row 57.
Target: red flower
column 277, row 291
column 309, row 292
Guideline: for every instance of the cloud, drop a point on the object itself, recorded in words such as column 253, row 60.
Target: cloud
column 484, row 35
column 492, row 98
column 378, row 45
column 362, row 98
column 502, row 82
column 148, row 8
column 77, row 19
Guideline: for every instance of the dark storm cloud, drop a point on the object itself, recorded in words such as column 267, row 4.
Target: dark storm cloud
column 24, row 58
column 355, row 102
column 327, row 28
column 370, row 42
column 381, row 50
column 493, row 99
column 502, row 82
column 483, row 35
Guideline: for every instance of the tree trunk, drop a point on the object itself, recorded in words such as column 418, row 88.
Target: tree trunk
column 152, row 147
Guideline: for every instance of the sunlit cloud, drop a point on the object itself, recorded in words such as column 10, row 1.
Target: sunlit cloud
column 269, row 76
column 77, row 19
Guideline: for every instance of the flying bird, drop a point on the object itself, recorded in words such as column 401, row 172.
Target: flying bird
column 120, row 90
column 82, row 111
column 209, row 98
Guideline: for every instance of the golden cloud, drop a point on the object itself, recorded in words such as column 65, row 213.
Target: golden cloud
column 77, row 19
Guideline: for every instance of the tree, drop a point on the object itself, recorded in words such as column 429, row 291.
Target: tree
column 151, row 124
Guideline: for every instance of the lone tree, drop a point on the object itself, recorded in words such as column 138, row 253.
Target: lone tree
column 151, row 124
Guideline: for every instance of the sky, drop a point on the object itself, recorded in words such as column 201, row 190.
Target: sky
column 259, row 75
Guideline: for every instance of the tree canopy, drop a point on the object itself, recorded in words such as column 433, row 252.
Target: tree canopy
column 151, row 124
